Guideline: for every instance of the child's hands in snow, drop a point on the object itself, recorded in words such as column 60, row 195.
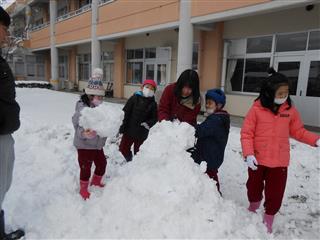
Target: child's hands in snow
column 145, row 125
column 252, row 162
column 90, row 134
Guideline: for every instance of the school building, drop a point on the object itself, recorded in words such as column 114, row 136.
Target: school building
column 231, row 43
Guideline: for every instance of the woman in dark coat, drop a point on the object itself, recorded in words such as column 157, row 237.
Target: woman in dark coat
column 181, row 100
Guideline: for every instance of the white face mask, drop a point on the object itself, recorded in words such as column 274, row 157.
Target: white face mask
column 147, row 92
column 280, row 100
column 96, row 102
column 209, row 111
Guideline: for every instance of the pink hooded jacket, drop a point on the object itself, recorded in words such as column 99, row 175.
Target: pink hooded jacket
column 266, row 136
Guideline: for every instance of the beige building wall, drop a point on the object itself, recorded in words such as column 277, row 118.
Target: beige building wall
column 292, row 20
column 119, row 68
column 124, row 15
column 210, row 57
column 74, row 29
column 204, row 7
column 40, row 38
column 239, row 105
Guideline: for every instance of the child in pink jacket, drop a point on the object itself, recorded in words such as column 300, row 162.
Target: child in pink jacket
column 265, row 144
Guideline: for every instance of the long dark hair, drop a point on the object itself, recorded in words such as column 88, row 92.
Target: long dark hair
column 189, row 78
column 85, row 99
column 268, row 90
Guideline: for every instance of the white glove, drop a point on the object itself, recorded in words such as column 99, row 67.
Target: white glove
column 252, row 162
column 145, row 125
column 318, row 142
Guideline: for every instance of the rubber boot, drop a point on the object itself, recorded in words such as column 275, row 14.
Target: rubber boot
column 254, row 206
column 96, row 181
column 268, row 221
column 10, row 236
column 84, row 189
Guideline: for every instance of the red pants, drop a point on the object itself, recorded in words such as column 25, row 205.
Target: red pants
column 86, row 157
column 214, row 175
column 272, row 181
column 125, row 146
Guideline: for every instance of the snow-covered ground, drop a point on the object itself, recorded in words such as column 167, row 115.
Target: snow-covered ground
column 160, row 194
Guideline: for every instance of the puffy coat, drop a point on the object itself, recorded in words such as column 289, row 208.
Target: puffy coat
column 79, row 141
column 170, row 108
column 137, row 110
column 212, row 137
column 9, row 108
column 266, row 135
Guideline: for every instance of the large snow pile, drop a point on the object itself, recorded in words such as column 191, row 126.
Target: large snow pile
column 162, row 193
column 104, row 119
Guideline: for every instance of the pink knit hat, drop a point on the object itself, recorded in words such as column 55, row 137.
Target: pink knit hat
column 151, row 82
column 95, row 85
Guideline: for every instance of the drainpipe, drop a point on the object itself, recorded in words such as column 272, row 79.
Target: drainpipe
column 185, row 41
column 54, row 51
column 95, row 43
column 224, row 64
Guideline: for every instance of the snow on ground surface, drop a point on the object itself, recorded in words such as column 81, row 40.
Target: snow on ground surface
column 160, row 194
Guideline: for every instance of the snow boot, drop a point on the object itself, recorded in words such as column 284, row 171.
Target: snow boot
column 10, row 236
column 254, row 206
column 96, row 181
column 84, row 189
column 268, row 221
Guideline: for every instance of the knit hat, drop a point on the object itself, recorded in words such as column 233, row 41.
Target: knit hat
column 151, row 82
column 95, row 85
column 216, row 95
column 4, row 17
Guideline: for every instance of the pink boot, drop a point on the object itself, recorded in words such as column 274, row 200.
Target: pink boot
column 84, row 189
column 254, row 206
column 268, row 221
column 96, row 181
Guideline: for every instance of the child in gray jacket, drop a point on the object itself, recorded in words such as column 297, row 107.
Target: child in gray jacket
column 89, row 145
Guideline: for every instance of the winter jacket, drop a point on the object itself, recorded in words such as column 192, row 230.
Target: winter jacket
column 137, row 110
column 79, row 141
column 212, row 136
column 170, row 108
column 9, row 108
column 266, row 135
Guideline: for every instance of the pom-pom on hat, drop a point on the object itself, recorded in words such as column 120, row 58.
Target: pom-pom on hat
column 95, row 85
column 216, row 95
column 151, row 82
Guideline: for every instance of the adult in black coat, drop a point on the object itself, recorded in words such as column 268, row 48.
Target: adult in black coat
column 212, row 134
column 9, row 122
column 140, row 114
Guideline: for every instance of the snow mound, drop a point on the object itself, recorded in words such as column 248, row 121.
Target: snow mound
column 104, row 119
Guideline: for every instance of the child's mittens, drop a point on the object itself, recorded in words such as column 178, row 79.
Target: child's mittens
column 89, row 134
column 318, row 143
column 252, row 162
column 145, row 125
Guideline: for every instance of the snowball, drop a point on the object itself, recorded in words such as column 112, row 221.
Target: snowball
column 105, row 119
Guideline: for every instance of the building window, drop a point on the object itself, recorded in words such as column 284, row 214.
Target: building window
column 135, row 61
column 249, row 59
column 84, row 67
column 314, row 40
column 107, row 66
column 259, row 44
column 291, row 42
column 31, row 64
column 83, row 3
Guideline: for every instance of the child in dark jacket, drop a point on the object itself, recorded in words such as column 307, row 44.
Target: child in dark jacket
column 90, row 145
column 140, row 114
column 212, row 134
